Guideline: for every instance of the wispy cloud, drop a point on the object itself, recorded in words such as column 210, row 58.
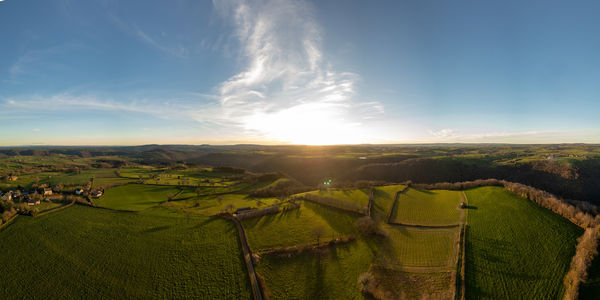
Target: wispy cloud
column 171, row 48
column 286, row 90
column 179, row 109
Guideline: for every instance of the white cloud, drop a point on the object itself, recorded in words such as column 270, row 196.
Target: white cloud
column 286, row 89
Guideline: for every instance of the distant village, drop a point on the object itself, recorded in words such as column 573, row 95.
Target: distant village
column 43, row 193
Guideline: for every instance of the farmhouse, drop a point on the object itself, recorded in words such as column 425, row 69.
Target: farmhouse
column 97, row 194
column 79, row 191
column 47, row 192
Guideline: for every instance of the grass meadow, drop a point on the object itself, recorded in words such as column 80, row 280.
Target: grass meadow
column 135, row 197
column 293, row 227
column 384, row 198
column 214, row 204
column 360, row 197
column 92, row 253
column 515, row 248
column 417, row 248
column 331, row 275
column 428, row 207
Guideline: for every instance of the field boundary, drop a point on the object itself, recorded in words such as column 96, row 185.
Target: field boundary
column 55, row 209
column 426, row 226
column 371, row 200
column 300, row 248
column 9, row 221
column 256, row 288
column 389, row 217
column 332, row 206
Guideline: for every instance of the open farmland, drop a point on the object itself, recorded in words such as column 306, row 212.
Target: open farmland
column 91, row 253
column 427, row 207
column 414, row 248
column 514, row 248
column 135, row 197
column 293, row 227
column 384, row 198
column 358, row 196
column 330, row 275
column 215, row 204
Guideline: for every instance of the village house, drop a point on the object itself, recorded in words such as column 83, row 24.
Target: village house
column 79, row 191
column 47, row 192
column 32, row 201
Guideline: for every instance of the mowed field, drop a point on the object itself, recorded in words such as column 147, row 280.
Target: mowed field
column 414, row 248
column 135, row 197
column 95, row 253
column 428, row 207
column 293, row 227
column 515, row 248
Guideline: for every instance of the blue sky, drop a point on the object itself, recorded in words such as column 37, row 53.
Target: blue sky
column 290, row 71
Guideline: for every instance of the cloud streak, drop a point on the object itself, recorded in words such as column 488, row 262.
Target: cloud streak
column 285, row 89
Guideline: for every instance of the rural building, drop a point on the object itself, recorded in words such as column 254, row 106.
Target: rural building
column 79, row 191
column 33, row 202
column 12, row 178
column 97, row 194
column 47, row 191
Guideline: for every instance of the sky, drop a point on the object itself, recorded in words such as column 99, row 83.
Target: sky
column 108, row 72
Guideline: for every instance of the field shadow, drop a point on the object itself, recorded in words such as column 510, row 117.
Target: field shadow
column 156, row 229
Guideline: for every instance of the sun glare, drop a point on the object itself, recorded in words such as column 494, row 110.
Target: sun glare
column 307, row 124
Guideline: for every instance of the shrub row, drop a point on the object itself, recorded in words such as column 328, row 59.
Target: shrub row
column 258, row 212
column 585, row 252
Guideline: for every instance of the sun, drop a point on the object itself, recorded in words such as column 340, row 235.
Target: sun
column 307, row 124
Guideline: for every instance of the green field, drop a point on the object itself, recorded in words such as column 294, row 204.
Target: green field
column 95, row 253
column 384, row 198
column 331, row 275
column 214, row 204
column 413, row 248
column 294, row 227
column 411, row 285
column 514, row 248
column 135, row 197
column 428, row 207
column 360, row 197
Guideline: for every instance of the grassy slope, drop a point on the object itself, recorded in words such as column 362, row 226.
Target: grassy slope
column 95, row 253
column 413, row 247
column 135, row 196
column 212, row 205
column 384, row 198
column 332, row 275
column 294, row 227
column 515, row 248
column 360, row 197
column 428, row 207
